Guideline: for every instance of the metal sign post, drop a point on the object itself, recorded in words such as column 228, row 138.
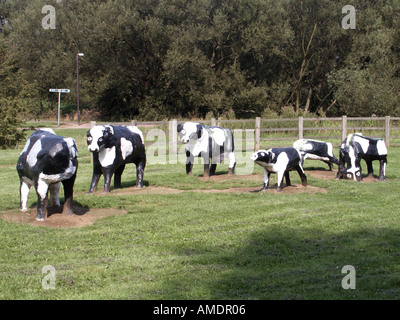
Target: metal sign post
column 59, row 99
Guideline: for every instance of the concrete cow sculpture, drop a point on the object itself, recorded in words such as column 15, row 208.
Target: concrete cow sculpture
column 213, row 143
column 316, row 150
column 46, row 161
column 113, row 147
column 356, row 147
column 280, row 161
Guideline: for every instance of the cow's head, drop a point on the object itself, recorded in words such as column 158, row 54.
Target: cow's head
column 262, row 156
column 189, row 131
column 98, row 138
column 348, row 158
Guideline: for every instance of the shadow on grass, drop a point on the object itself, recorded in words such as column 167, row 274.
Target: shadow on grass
column 285, row 263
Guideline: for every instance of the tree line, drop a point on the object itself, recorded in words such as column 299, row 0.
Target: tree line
column 157, row 59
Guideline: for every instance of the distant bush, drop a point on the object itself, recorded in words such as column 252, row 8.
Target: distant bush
column 10, row 123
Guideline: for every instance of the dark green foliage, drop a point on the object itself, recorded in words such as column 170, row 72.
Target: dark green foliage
column 154, row 59
column 9, row 124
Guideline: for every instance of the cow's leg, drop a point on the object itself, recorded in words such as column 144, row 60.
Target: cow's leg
column 370, row 168
column 189, row 162
column 68, row 195
column 302, row 175
column 24, row 193
column 206, row 159
column 287, row 178
column 41, row 189
column 382, row 170
column 117, row 176
column 329, row 164
column 54, row 190
column 267, row 174
column 281, row 175
column 96, row 173
column 232, row 163
column 107, row 180
column 139, row 174
column 213, row 167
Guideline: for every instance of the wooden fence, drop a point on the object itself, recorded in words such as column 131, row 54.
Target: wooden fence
column 264, row 132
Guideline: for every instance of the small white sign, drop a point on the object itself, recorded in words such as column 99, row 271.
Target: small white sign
column 60, row 90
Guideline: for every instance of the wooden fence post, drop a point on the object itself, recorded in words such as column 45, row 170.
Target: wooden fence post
column 213, row 122
column 134, row 123
column 344, row 127
column 258, row 133
column 387, row 131
column 301, row 127
column 173, row 143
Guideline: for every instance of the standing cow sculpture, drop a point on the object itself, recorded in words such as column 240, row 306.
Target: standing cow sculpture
column 316, row 150
column 356, row 147
column 46, row 161
column 280, row 161
column 213, row 143
column 112, row 148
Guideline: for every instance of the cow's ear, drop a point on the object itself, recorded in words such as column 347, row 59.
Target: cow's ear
column 199, row 132
column 107, row 132
column 180, row 127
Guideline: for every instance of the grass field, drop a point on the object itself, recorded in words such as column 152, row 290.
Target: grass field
column 195, row 245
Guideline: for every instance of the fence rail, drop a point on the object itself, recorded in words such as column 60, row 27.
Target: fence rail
column 268, row 130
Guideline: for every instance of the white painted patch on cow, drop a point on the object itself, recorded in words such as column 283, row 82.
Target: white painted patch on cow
column 96, row 132
column 126, row 148
column 314, row 157
column 218, row 135
column 54, row 194
column 381, row 146
column 107, row 157
column 48, row 130
column 200, row 145
column 42, row 188
column 31, row 159
column 73, row 151
column 26, row 146
column 136, row 130
column 25, row 188
column 55, row 149
column 232, row 159
column 364, row 143
column 188, row 129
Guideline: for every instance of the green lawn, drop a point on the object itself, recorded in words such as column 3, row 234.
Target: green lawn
column 196, row 245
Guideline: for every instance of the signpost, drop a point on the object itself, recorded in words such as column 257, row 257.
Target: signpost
column 59, row 99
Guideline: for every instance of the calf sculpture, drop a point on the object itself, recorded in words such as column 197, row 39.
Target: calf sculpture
column 356, row 147
column 280, row 161
column 316, row 150
column 113, row 147
column 46, row 161
column 210, row 143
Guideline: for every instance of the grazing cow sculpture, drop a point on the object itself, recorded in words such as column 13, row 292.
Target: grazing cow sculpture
column 316, row 150
column 280, row 161
column 46, row 161
column 113, row 147
column 213, row 143
column 356, row 147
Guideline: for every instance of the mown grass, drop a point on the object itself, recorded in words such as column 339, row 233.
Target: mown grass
column 196, row 245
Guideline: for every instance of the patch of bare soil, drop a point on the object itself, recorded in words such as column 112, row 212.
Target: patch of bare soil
column 144, row 190
column 225, row 177
column 293, row 189
column 81, row 217
column 331, row 175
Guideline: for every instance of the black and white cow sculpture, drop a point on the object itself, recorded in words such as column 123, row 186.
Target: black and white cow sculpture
column 113, row 147
column 280, row 161
column 46, row 161
column 356, row 147
column 316, row 150
column 213, row 143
